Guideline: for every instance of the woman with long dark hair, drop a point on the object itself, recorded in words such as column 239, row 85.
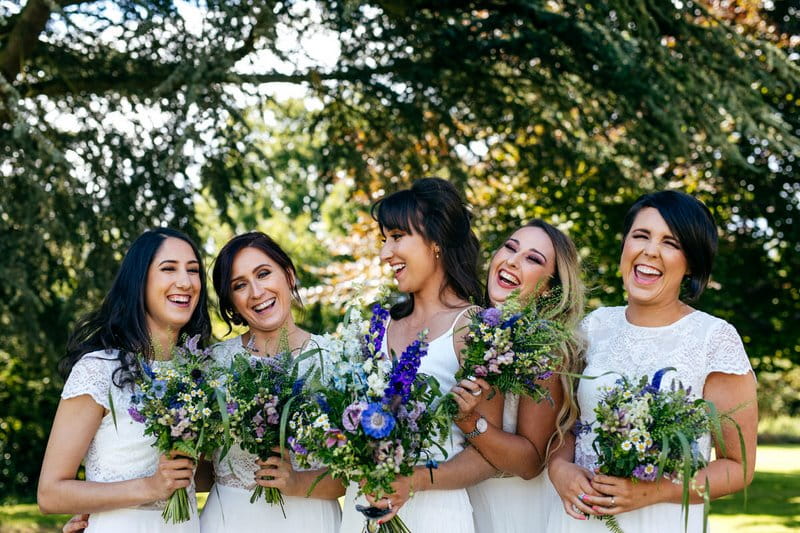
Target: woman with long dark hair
column 433, row 253
column 668, row 247
column 256, row 283
column 157, row 297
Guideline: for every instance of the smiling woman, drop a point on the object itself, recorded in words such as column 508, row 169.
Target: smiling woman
column 668, row 248
column 158, row 295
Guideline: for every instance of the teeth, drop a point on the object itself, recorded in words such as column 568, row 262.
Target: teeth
column 510, row 278
column 648, row 270
column 264, row 305
column 179, row 298
column 398, row 266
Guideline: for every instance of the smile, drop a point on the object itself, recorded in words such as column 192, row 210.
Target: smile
column 180, row 299
column 646, row 273
column 507, row 279
column 264, row 305
column 398, row 267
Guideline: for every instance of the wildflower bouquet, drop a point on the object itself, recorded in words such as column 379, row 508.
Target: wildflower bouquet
column 180, row 405
column 373, row 418
column 644, row 432
column 261, row 388
column 512, row 346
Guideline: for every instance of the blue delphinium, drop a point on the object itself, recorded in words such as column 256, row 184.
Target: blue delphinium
column 405, row 372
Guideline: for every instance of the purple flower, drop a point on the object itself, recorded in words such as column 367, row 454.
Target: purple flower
column 376, row 422
column 296, row 446
column 136, row 415
column 480, row 371
column 546, row 375
column 377, row 327
column 491, row 316
column 352, row 415
column 231, row 407
column 645, row 472
column 191, row 343
column 405, row 372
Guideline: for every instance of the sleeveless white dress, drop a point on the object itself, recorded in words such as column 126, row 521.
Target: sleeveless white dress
column 696, row 345
column 120, row 452
column 228, row 508
column 429, row 511
column 512, row 504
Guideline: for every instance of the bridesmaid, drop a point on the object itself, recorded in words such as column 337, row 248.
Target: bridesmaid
column 158, row 295
column 434, row 255
column 256, row 283
column 536, row 257
column 669, row 243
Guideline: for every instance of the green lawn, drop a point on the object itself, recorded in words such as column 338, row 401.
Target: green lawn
column 773, row 501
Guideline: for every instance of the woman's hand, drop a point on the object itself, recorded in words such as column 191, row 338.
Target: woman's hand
column 574, row 485
column 76, row 524
column 174, row 472
column 403, row 489
column 469, row 394
column 282, row 474
column 620, row 495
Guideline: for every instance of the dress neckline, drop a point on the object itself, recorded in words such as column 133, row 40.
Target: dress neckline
column 654, row 329
column 447, row 333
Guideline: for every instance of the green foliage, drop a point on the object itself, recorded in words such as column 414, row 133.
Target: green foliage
column 555, row 109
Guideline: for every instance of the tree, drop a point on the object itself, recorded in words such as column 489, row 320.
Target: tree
column 115, row 116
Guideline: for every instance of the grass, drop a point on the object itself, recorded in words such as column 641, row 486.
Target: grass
column 773, row 501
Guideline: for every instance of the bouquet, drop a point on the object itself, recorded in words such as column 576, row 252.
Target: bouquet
column 644, row 432
column 373, row 418
column 512, row 346
column 258, row 394
column 180, row 405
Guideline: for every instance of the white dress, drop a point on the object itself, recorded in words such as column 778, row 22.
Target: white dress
column 512, row 504
column 696, row 345
column 228, row 508
column 120, row 452
column 429, row 511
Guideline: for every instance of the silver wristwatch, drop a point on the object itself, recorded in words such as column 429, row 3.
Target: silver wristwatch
column 481, row 425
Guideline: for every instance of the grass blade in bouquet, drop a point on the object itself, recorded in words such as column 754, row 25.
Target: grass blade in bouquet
column 261, row 389
column 513, row 346
column 178, row 402
column 644, row 432
column 372, row 420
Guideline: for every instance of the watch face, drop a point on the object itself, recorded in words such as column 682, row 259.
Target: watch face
column 482, row 425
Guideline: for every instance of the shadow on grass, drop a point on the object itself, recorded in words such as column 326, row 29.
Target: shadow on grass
column 27, row 518
column 773, row 494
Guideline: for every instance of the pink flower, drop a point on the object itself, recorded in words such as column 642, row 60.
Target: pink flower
column 335, row 438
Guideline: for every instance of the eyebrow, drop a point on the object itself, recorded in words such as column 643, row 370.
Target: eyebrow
column 256, row 269
column 175, row 261
column 544, row 257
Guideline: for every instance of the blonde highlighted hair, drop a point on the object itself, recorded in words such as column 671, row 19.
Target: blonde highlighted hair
column 568, row 309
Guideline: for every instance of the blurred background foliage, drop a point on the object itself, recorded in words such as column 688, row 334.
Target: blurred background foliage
column 292, row 117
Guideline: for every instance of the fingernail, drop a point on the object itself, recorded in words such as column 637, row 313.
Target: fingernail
column 471, row 378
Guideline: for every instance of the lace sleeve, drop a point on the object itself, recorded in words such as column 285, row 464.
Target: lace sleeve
column 726, row 352
column 91, row 375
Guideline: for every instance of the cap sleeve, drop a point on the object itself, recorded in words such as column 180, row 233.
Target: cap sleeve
column 91, row 375
column 726, row 351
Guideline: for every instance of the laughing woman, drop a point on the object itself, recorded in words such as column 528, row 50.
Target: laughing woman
column 519, row 497
column 256, row 283
column 159, row 294
column 434, row 255
column 669, row 243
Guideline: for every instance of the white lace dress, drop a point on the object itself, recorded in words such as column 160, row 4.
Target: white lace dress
column 430, row 511
column 228, row 508
column 696, row 345
column 512, row 504
column 120, row 452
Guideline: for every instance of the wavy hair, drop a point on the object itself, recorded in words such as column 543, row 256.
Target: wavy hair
column 433, row 208
column 120, row 322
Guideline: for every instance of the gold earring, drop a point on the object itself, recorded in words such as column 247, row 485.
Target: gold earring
column 436, row 251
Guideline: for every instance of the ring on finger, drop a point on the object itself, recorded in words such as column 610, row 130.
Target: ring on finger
column 581, row 496
column 612, row 502
column 389, row 503
column 477, row 392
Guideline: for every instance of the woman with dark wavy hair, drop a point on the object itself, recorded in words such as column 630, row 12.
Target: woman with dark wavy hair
column 157, row 297
column 433, row 253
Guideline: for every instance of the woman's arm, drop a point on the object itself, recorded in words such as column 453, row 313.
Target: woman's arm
column 76, row 422
column 725, row 475
column 523, row 453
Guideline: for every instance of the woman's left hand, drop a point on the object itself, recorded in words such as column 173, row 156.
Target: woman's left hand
column 403, row 488
column 621, row 495
column 280, row 469
column 468, row 394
